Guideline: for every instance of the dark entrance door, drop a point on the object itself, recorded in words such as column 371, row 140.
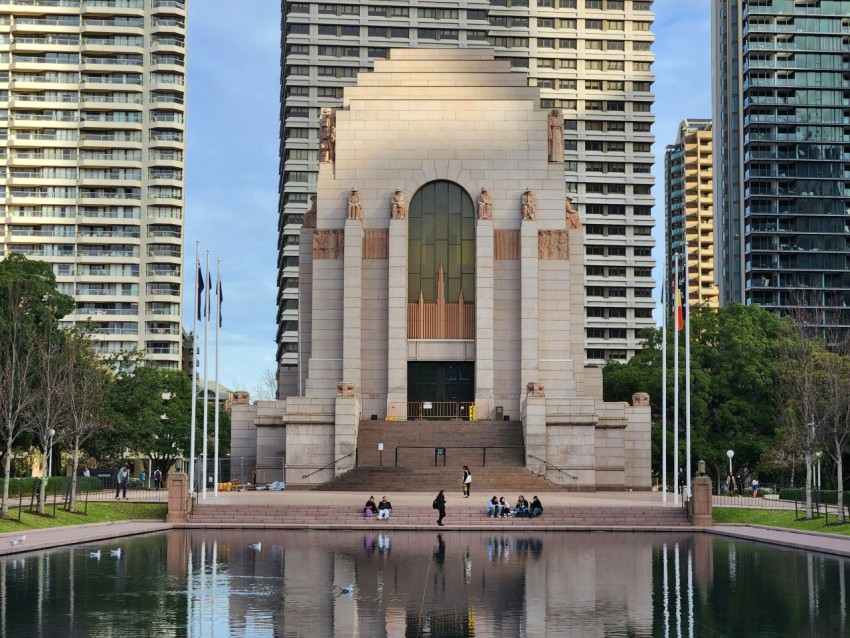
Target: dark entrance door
column 441, row 381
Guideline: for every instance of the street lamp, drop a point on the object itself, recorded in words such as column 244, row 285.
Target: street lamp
column 730, row 454
column 50, row 453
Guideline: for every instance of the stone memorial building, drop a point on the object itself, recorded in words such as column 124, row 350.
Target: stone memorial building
column 442, row 276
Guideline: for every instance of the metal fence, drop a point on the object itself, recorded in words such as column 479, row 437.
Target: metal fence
column 437, row 410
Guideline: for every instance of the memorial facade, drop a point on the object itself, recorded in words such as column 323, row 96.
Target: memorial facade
column 443, row 265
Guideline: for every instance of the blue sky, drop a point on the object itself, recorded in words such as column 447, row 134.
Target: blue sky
column 232, row 155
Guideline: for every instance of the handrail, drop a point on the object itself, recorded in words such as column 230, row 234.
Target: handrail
column 483, row 449
column 327, row 465
column 552, row 467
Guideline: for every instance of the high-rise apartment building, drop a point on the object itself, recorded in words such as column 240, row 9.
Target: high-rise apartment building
column 689, row 209
column 92, row 97
column 590, row 58
column 782, row 142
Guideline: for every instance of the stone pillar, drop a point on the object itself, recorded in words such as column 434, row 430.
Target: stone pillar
column 346, row 420
column 529, row 303
column 305, row 306
column 701, row 502
column 352, row 300
column 484, row 314
column 397, row 314
column 534, row 427
column 179, row 501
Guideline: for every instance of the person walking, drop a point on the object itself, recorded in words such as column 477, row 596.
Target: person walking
column 121, row 480
column 440, row 506
column 467, row 482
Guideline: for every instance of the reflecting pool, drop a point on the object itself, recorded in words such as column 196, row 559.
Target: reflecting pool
column 398, row 583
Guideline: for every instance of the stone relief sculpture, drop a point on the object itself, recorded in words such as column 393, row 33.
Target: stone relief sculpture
column 398, row 205
column 355, row 207
column 485, row 205
column 327, row 137
column 529, row 205
column 553, row 245
column 556, row 136
column 535, row 389
column 344, row 389
column 328, row 243
column 310, row 215
column 573, row 220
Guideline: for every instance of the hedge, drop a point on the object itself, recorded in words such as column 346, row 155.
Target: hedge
column 25, row 486
column 824, row 497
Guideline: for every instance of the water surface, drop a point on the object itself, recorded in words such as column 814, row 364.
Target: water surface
column 399, row 583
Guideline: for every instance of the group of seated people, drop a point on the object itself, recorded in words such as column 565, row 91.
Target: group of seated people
column 382, row 509
column 500, row 508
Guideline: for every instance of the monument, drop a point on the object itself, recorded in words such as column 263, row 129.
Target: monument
column 468, row 287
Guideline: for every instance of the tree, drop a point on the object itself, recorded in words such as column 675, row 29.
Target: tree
column 733, row 370
column 836, row 430
column 266, row 387
column 50, row 385
column 150, row 411
column 30, row 306
column 85, row 399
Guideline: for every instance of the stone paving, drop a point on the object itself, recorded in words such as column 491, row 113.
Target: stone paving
column 82, row 534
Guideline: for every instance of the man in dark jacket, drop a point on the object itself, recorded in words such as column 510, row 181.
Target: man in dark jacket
column 536, row 507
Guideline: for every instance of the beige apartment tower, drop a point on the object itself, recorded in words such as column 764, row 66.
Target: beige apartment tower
column 92, row 101
column 443, row 265
column 689, row 209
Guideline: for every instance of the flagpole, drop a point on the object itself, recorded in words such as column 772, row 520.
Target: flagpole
column 665, row 279
column 217, row 339
column 686, row 311
column 194, row 370
column 206, row 383
column 676, row 388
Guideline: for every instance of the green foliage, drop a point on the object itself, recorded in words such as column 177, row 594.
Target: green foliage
column 95, row 513
column 25, row 486
column 31, row 285
column 777, row 518
column 733, row 373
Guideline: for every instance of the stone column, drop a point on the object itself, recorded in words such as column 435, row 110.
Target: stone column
column 534, row 427
column 305, row 305
column 529, row 303
column 701, row 515
column 346, row 420
column 179, row 501
column 397, row 314
column 352, row 297
column 484, row 315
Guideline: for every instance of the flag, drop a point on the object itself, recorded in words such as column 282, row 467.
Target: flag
column 200, row 288
column 209, row 293
column 220, row 299
column 679, row 319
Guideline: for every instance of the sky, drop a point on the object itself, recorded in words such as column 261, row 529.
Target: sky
column 232, row 159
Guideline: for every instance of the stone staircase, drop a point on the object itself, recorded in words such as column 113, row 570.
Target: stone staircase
column 411, row 461
column 460, row 513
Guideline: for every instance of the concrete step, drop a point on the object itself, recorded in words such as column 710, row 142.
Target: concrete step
column 498, row 479
column 460, row 514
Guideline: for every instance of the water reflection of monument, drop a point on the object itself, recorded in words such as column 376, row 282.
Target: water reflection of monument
column 440, row 584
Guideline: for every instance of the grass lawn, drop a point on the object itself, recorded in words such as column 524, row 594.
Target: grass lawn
column 97, row 513
column 777, row 518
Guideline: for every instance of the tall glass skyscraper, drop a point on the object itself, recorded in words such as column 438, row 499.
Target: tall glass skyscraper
column 782, row 149
column 92, row 106
column 590, row 58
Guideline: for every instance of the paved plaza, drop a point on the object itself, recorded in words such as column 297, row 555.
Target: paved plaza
column 45, row 539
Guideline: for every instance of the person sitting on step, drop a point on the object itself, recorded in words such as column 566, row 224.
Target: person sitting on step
column 384, row 509
column 536, row 507
column 370, row 509
column 521, row 508
column 504, row 507
column 493, row 507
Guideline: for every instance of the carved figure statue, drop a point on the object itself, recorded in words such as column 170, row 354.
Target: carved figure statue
column 529, row 205
column 310, row 215
column 399, row 205
column 556, row 136
column 485, row 205
column 327, row 137
column 355, row 208
column 573, row 220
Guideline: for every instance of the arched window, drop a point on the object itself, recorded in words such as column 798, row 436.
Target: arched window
column 441, row 236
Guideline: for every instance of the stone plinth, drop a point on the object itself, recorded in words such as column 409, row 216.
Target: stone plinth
column 179, row 499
